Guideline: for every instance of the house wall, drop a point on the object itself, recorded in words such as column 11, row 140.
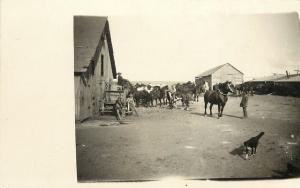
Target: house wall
column 90, row 87
column 82, row 98
column 77, row 96
column 227, row 73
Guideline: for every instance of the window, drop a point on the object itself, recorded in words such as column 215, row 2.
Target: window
column 102, row 64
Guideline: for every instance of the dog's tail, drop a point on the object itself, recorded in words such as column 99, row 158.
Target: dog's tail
column 260, row 135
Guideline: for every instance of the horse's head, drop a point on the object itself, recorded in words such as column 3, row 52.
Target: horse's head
column 230, row 87
column 164, row 88
column 226, row 87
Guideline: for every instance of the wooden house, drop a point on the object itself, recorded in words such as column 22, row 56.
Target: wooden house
column 220, row 74
column 94, row 65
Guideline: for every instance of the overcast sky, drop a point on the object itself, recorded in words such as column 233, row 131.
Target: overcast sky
column 181, row 46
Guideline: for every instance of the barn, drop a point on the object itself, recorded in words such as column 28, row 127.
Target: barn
column 220, row 74
column 94, row 65
column 288, row 86
column 264, row 85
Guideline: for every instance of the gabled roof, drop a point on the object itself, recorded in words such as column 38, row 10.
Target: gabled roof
column 269, row 78
column 213, row 70
column 88, row 32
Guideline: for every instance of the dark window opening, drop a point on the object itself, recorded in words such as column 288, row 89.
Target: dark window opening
column 102, row 65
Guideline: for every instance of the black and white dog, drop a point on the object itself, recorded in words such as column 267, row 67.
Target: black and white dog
column 252, row 143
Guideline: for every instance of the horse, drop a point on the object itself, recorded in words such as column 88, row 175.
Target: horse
column 186, row 91
column 155, row 95
column 163, row 95
column 239, row 88
column 218, row 97
column 196, row 92
column 141, row 96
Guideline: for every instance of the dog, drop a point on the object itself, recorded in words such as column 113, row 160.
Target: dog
column 252, row 143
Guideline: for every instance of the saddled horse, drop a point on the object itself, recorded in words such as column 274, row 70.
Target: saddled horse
column 218, row 97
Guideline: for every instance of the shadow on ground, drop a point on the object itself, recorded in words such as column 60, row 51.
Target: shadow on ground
column 238, row 151
column 233, row 116
column 201, row 114
column 215, row 116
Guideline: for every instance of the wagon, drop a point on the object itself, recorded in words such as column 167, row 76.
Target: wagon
column 110, row 98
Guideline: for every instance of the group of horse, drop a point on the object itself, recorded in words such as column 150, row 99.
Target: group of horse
column 148, row 95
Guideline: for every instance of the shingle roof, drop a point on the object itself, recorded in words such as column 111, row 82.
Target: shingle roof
column 213, row 70
column 87, row 36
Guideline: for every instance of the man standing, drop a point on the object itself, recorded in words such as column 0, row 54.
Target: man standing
column 244, row 103
column 131, row 103
column 118, row 108
column 120, row 79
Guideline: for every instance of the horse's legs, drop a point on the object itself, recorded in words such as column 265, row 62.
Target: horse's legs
column 137, row 101
column 218, row 110
column 222, row 108
column 210, row 108
column 205, row 105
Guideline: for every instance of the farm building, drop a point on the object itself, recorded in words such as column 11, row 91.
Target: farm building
column 94, row 65
column 288, row 86
column 219, row 74
column 264, row 85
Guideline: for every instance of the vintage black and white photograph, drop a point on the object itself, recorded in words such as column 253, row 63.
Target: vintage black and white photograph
column 194, row 97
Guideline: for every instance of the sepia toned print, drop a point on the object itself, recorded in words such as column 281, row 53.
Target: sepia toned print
column 221, row 103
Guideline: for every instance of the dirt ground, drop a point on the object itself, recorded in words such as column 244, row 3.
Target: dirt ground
column 164, row 143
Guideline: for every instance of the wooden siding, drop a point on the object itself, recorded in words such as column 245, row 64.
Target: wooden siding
column 90, row 86
column 227, row 73
column 77, row 97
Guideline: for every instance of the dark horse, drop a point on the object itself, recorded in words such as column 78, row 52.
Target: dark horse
column 218, row 97
column 141, row 97
column 163, row 95
column 155, row 95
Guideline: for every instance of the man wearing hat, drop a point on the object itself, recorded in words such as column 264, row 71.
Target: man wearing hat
column 120, row 79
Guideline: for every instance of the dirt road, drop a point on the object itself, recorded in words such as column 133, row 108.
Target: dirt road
column 164, row 143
